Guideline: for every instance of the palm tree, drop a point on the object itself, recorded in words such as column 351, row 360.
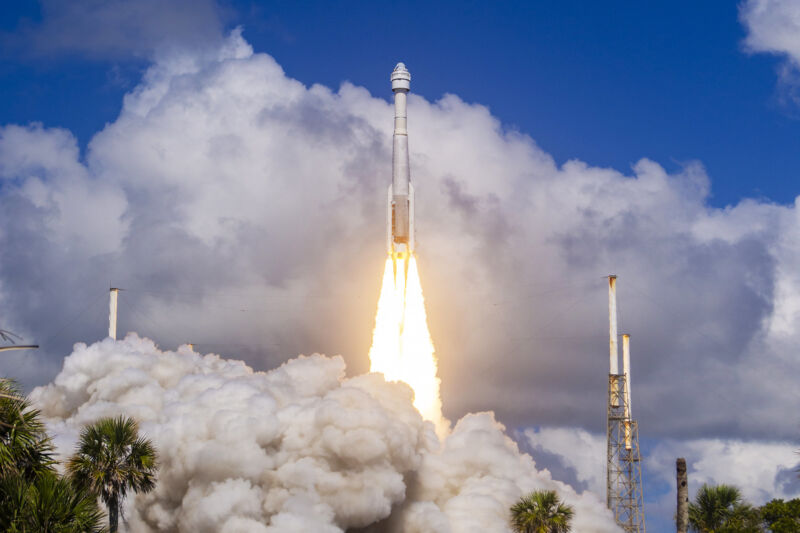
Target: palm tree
column 541, row 511
column 33, row 497
column 25, row 448
column 48, row 503
column 111, row 459
column 720, row 508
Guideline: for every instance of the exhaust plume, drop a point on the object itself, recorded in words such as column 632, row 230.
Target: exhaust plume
column 402, row 349
column 299, row 448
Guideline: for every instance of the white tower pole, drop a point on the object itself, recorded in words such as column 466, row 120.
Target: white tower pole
column 613, row 350
column 112, row 313
column 626, row 369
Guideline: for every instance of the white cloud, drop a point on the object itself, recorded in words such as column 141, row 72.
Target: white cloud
column 118, row 29
column 75, row 207
column 300, row 448
column 576, row 449
column 758, row 468
column 773, row 26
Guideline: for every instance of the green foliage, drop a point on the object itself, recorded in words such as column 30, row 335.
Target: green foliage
column 743, row 519
column 721, row 509
column 33, row 498
column 25, row 448
column 782, row 517
column 112, row 459
column 541, row 511
column 48, row 504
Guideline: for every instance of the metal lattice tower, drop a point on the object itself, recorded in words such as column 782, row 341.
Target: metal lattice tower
column 623, row 461
column 623, row 471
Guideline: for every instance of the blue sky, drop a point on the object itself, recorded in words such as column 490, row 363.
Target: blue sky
column 668, row 81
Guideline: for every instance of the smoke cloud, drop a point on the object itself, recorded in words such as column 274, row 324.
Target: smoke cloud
column 299, row 448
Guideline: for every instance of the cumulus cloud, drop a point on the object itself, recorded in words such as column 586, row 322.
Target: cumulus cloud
column 119, row 29
column 299, row 448
column 774, row 27
column 243, row 209
column 756, row 467
column 762, row 469
column 576, row 450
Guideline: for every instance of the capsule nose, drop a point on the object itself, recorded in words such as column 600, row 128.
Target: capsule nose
column 401, row 78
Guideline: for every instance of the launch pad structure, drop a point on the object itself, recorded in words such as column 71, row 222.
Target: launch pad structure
column 624, row 472
column 624, row 496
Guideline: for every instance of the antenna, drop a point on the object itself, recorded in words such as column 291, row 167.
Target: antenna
column 19, row 347
column 10, row 337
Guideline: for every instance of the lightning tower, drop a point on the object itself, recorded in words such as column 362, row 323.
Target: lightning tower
column 623, row 460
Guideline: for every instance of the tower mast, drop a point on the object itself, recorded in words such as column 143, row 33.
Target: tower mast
column 623, row 459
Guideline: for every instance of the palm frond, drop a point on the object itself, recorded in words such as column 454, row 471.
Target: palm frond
column 541, row 511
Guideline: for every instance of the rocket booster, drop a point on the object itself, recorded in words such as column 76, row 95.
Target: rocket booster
column 400, row 209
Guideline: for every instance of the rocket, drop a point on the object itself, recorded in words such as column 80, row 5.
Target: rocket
column 400, row 208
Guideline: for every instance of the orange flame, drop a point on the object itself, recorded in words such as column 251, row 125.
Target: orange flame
column 402, row 348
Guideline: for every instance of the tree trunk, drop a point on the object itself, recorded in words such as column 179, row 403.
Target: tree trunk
column 113, row 516
column 682, row 518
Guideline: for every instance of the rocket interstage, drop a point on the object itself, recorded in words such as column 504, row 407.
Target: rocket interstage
column 400, row 207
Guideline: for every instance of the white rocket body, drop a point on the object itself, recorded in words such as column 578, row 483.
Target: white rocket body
column 400, row 209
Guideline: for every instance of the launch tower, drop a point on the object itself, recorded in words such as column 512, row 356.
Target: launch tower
column 623, row 459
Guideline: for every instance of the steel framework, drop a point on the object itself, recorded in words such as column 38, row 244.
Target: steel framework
column 623, row 470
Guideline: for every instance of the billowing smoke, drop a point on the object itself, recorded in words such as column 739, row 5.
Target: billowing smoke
column 300, row 448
